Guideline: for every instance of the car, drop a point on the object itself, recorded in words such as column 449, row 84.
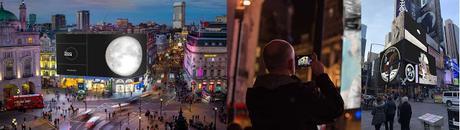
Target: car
column 452, row 117
column 450, row 98
column 85, row 115
column 92, row 122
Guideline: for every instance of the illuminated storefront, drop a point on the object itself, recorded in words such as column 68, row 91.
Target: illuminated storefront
column 124, row 86
column 128, row 85
column 90, row 84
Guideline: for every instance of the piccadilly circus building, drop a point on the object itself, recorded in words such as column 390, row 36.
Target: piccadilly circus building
column 19, row 55
column 205, row 60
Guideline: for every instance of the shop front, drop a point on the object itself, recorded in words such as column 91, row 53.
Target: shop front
column 128, row 86
column 209, row 90
column 86, row 84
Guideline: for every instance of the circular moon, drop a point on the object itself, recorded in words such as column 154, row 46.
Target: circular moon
column 124, row 55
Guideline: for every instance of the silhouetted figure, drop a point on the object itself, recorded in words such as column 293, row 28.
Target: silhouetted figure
column 390, row 111
column 281, row 101
column 378, row 113
column 404, row 113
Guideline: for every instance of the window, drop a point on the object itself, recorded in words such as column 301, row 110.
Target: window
column 204, row 73
column 19, row 41
column 219, row 72
column 447, row 94
column 9, row 66
column 30, row 40
column 194, row 72
column 27, row 65
column 212, row 73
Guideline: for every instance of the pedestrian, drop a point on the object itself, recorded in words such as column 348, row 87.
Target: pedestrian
column 378, row 113
column 404, row 113
column 390, row 111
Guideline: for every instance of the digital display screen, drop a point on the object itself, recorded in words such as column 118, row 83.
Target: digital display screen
column 103, row 55
column 303, row 61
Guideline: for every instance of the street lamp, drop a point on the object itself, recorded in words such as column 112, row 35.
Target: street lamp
column 84, row 101
column 215, row 117
column 128, row 118
column 139, row 121
column 161, row 106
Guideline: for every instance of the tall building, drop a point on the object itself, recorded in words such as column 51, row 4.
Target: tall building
column 221, row 19
column 22, row 15
column 205, row 60
column 32, row 20
column 363, row 40
column 19, row 57
column 122, row 23
column 58, row 22
column 47, row 61
column 452, row 39
column 179, row 15
column 83, row 20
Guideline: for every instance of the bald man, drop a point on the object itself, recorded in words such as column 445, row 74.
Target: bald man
column 281, row 101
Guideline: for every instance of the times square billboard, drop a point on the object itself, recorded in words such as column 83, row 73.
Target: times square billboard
column 101, row 55
column 427, row 13
column 405, row 64
column 430, row 18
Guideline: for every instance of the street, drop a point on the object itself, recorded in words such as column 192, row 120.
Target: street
column 170, row 107
column 418, row 109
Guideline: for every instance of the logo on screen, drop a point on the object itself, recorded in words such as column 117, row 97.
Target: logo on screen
column 71, row 53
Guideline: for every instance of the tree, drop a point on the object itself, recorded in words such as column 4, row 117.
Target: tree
column 181, row 122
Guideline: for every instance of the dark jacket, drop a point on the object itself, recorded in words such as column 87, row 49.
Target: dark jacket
column 405, row 113
column 390, row 111
column 286, row 103
column 378, row 114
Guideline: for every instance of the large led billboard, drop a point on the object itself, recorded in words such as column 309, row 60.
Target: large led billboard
column 430, row 18
column 104, row 55
column 404, row 63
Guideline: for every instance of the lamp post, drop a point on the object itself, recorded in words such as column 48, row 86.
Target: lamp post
column 84, row 101
column 161, row 106
column 140, row 121
column 215, row 118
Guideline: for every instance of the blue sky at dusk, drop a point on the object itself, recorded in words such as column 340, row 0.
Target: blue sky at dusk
column 377, row 15
column 136, row 11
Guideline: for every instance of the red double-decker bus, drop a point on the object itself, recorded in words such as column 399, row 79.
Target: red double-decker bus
column 25, row 101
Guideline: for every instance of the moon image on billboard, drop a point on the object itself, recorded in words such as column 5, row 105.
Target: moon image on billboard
column 124, row 55
column 390, row 64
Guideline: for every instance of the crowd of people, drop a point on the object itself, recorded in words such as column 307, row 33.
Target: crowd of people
column 385, row 110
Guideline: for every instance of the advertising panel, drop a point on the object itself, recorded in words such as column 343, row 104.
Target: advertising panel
column 405, row 63
column 430, row 18
column 410, row 6
column 103, row 55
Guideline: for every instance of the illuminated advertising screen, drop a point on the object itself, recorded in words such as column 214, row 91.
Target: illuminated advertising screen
column 409, row 6
column 103, row 55
column 430, row 18
column 404, row 63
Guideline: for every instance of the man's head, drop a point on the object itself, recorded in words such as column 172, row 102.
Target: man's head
column 404, row 99
column 279, row 57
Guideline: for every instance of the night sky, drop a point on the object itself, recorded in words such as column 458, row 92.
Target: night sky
column 159, row 11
